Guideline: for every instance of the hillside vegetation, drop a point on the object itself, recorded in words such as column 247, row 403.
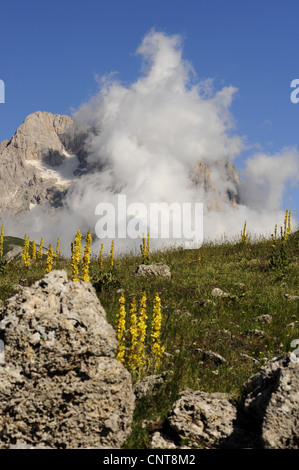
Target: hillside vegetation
column 255, row 322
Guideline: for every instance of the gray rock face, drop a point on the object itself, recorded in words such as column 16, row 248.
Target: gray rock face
column 37, row 164
column 61, row 386
column 272, row 403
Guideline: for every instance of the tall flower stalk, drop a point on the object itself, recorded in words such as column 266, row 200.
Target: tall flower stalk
column 112, row 255
column 120, row 329
column 1, row 242
column 33, row 251
column 76, row 256
column 40, row 251
column 101, row 259
column 49, row 262
column 58, row 251
column 86, row 258
column 133, row 358
column 25, row 253
column 141, row 329
column 156, row 349
column 244, row 234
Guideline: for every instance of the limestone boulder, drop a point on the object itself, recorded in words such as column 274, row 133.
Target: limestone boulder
column 61, row 384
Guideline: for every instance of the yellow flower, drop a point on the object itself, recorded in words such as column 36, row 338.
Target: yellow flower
column 86, row 258
column 1, row 242
column 145, row 249
column 120, row 329
column 101, row 259
column 40, row 251
column 133, row 332
column 33, row 252
column 49, row 262
column 112, row 255
column 76, row 256
column 25, row 253
column 157, row 350
column 58, row 251
column 244, row 234
column 141, row 327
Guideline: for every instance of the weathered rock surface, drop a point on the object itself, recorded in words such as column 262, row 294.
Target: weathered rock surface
column 151, row 384
column 205, row 419
column 272, row 403
column 268, row 416
column 153, row 270
column 38, row 164
column 61, row 386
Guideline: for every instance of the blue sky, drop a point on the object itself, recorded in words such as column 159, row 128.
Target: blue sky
column 52, row 52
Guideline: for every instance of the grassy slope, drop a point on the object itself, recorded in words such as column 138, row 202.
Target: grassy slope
column 187, row 325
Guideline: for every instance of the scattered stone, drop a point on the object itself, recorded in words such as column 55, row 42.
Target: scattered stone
column 153, row 270
column 212, row 356
column 240, row 285
column 61, row 386
column 255, row 332
column 161, row 441
column 272, row 403
column 265, row 319
column 291, row 297
column 151, row 384
column 203, row 418
column 228, row 333
column 216, row 292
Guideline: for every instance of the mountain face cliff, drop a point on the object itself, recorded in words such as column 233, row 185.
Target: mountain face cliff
column 47, row 155
column 39, row 163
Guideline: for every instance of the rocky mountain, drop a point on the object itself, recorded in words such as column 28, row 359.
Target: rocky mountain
column 47, row 154
column 38, row 164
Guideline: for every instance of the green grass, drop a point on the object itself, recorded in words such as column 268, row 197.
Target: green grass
column 189, row 324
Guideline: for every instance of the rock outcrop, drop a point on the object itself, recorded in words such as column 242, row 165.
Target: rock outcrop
column 61, row 386
column 205, row 419
column 268, row 416
column 38, row 164
column 272, row 403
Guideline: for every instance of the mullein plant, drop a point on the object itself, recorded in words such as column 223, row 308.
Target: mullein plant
column 287, row 226
column 112, row 256
column 86, row 258
column 101, row 258
column 49, row 262
column 33, row 251
column 25, row 253
column 133, row 358
column 134, row 355
column 244, row 234
column 76, row 256
column 1, row 242
column 145, row 249
column 120, row 329
column 156, row 350
column 141, row 332
column 278, row 257
column 58, row 251
column 40, row 251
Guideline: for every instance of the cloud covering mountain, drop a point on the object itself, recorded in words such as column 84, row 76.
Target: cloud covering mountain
column 167, row 137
